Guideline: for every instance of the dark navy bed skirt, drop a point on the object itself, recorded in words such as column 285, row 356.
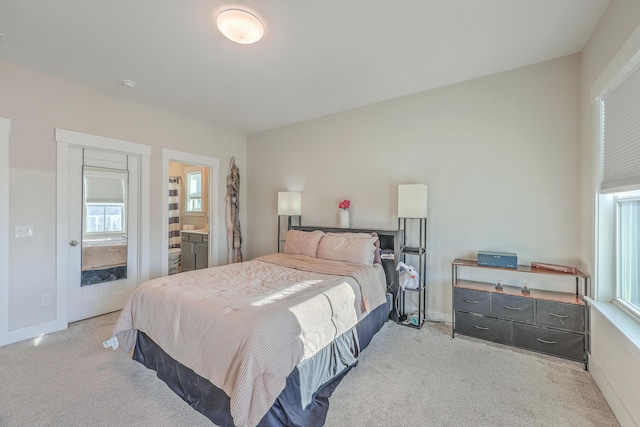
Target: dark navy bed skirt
column 305, row 400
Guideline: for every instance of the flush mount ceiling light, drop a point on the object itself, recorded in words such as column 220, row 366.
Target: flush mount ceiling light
column 129, row 83
column 240, row 26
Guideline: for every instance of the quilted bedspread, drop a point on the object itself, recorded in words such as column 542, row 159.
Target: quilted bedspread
column 245, row 326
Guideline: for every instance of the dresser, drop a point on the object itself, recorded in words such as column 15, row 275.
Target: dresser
column 549, row 322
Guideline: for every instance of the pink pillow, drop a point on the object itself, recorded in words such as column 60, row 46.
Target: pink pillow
column 376, row 254
column 348, row 248
column 302, row 242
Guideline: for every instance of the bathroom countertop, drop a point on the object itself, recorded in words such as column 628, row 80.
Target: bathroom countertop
column 199, row 231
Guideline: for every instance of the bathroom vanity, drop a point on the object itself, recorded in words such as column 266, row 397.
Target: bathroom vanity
column 195, row 249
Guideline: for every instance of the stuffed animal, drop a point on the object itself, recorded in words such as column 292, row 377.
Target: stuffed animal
column 408, row 276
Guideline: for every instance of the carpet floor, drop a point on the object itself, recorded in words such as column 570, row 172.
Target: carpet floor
column 405, row 377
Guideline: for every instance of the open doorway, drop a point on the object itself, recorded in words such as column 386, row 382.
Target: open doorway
column 190, row 214
column 188, row 217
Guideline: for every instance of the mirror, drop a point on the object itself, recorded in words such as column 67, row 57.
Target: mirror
column 104, row 224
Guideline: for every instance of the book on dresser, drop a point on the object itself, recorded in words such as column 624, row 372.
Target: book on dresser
column 545, row 321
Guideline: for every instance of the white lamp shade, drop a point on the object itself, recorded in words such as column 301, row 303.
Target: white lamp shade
column 289, row 203
column 412, row 201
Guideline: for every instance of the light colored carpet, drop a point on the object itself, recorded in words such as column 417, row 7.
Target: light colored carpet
column 425, row 378
column 406, row 377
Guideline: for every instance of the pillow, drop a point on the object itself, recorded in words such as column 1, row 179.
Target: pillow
column 302, row 242
column 377, row 259
column 348, row 248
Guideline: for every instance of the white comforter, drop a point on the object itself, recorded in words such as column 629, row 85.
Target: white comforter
column 245, row 326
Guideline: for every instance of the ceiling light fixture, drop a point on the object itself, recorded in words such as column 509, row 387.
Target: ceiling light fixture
column 240, row 26
column 129, row 83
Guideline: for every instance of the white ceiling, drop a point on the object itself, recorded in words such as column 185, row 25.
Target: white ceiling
column 317, row 57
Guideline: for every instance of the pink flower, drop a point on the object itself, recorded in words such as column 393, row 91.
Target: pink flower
column 345, row 204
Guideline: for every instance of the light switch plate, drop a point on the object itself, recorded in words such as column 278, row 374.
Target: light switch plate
column 24, row 231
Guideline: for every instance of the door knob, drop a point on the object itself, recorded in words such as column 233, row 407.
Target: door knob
column 73, row 243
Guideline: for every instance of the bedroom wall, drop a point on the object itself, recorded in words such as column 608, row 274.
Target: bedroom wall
column 498, row 154
column 36, row 104
column 615, row 357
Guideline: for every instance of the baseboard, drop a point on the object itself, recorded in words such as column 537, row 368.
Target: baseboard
column 436, row 316
column 34, row 331
column 615, row 403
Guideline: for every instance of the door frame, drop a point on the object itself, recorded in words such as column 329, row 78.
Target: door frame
column 65, row 139
column 5, row 131
column 214, row 206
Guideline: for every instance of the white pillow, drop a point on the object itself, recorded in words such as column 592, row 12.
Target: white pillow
column 302, row 242
column 348, row 248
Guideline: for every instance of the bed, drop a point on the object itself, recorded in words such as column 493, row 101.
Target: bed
column 263, row 342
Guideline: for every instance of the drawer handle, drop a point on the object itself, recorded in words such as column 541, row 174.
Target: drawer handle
column 558, row 315
column 545, row 341
column 481, row 328
column 512, row 308
column 471, row 301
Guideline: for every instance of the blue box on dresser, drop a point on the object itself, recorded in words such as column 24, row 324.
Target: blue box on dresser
column 498, row 259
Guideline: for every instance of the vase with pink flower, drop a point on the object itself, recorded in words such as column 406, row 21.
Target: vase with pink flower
column 344, row 213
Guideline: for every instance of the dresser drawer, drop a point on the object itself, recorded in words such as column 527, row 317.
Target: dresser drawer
column 194, row 237
column 560, row 315
column 487, row 328
column 512, row 307
column 473, row 301
column 557, row 343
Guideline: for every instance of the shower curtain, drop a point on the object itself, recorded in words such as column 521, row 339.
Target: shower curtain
column 174, row 212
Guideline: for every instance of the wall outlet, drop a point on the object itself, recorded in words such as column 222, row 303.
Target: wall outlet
column 46, row 299
column 24, row 231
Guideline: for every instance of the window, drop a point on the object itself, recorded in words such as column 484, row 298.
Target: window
column 105, row 195
column 194, row 200
column 628, row 250
column 105, row 218
column 194, row 192
column 618, row 238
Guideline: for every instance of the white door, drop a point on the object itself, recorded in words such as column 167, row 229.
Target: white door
column 99, row 283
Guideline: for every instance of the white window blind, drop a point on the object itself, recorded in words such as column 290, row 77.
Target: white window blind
column 621, row 136
column 104, row 186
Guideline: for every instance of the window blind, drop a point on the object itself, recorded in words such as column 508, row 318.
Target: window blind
column 621, row 136
column 103, row 186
